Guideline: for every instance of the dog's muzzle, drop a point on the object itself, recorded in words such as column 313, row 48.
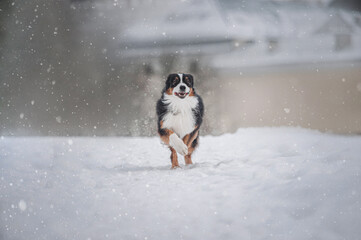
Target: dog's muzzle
column 181, row 94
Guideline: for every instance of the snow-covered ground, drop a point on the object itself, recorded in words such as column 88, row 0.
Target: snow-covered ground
column 259, row 183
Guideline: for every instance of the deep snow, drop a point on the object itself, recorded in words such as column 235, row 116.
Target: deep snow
column 259, row 183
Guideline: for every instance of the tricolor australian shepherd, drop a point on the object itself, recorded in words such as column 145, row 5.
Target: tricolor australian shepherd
column 180, row 112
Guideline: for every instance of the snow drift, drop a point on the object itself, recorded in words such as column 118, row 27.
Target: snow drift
column 261, row 183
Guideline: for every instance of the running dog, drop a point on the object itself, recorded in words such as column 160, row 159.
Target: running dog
column 180, row 113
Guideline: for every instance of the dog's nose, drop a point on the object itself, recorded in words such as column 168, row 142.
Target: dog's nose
column 182, row 88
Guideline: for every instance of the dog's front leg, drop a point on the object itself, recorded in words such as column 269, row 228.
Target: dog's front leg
column 174, row 158
column 177, row 143
column 188, row 140
column 174, row 145
column 172, row 140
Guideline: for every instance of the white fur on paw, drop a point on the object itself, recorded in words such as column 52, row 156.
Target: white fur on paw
column 176, row 143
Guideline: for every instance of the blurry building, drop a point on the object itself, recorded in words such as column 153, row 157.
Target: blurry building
column 340, row 28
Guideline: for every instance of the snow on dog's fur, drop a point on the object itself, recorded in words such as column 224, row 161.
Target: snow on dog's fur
column 180, row 112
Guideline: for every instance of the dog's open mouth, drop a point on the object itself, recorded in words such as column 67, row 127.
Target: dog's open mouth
column 181, row 94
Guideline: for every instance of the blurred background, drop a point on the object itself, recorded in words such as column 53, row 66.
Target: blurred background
column 97, row 67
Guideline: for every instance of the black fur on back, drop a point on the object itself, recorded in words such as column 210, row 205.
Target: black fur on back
column 161, row 111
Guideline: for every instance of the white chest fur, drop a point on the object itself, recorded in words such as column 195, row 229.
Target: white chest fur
column 180, row 117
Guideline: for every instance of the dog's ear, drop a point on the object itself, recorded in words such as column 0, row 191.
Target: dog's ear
column 168, row 82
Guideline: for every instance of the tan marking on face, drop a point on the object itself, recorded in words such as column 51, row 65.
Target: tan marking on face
column 191, row 92
column 169, row 91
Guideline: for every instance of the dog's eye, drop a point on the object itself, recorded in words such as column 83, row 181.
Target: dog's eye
column 187, row 81
column 175, row 81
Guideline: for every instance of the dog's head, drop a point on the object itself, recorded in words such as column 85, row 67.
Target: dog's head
column 180, row 85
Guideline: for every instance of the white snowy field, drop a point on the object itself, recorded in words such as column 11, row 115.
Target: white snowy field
column 259, row 183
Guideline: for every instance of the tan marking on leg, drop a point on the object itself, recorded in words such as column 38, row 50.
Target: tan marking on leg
column 174, row 158
column 165, row 138
column 188, row 157
column 188, row 140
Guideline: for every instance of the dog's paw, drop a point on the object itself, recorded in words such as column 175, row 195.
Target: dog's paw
column 176, row 143
column 182, row 149
column 175, row 167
